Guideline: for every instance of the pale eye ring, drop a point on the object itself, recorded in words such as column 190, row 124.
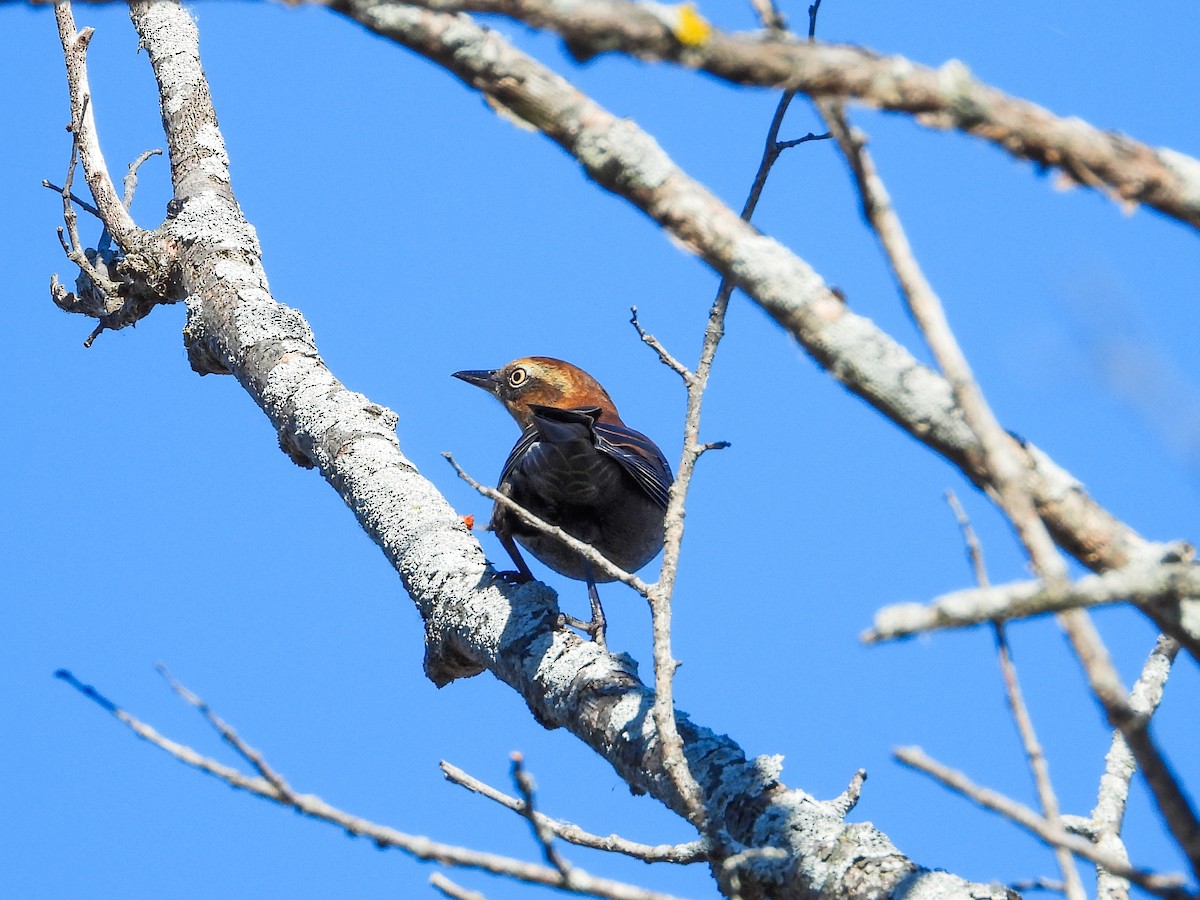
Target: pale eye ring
column 517, row 377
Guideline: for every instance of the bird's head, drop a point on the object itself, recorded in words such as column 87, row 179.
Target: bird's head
column 542, row 381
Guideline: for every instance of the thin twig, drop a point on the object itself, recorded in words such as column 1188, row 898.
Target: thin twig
column 1039, row 768
column 1134, row 725
column 452, row 890
column 382, row 836
column 229, row 736
column 848, row 799
column 691, row 852
column 1119, row 767
column 657, row 346
column 1052, row 833
column 587, row 551
column 77, row 200
column 696, row 383
column 541, row 831
column 132, row 175
column 75, row 43
column 75, row 251
column 970, row 539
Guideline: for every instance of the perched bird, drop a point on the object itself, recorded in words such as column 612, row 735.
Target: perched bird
column 577, row 466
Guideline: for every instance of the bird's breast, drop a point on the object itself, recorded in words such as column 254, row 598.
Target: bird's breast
column 590, row 496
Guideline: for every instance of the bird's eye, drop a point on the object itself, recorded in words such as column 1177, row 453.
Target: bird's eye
column 517, row 377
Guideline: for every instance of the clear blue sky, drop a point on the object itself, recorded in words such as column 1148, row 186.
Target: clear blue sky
column 150, row 515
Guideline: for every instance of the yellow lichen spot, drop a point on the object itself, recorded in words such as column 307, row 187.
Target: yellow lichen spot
column 692, row 29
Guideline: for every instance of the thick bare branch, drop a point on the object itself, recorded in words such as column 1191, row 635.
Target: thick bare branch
column 623, row 159
column 947, row 97
column 472, row 622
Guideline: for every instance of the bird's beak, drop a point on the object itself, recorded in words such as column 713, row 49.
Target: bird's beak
column 481, row 378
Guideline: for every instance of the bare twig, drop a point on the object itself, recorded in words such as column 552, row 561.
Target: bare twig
column 696, row 383
column 1148, row 583
column 452, row 890
column 132, row 175
column 1050, row 832
column 75, row 43
column 541, row 831
column 587, row 551
column 1036, row 757
column 691, row 852
column 1119, row 766
column 77, row 200
column 1072, row 885
column 75, row 251
column 229, row 736
column 848, row 799
column 382, row 836
column 1134, row 725
column 970, row 539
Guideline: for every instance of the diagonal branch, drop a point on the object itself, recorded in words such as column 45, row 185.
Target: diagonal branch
column 1051, row 832
column 383, row 836
column 1104, row 828
column 472, row 623
column 691, row 852
column 623, row 159
column 947, row 97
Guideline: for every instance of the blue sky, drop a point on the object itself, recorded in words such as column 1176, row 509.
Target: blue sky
column 151, row 516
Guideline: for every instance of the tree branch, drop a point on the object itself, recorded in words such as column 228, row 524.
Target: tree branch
column 625, row 160
column 946, row 97
column 575, row 882
column 472, row 623
column 1051, row 832
column 692, row 852
column 1150, row 585
column 1119, row 766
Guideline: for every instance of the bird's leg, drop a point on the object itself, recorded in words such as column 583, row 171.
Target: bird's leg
column 596, row 628
column 599, row 626
column 522, row 573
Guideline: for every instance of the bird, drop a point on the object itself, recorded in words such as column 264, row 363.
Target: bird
column 577, row 466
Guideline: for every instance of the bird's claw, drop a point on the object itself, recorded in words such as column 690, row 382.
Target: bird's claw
column 594, row 629
column 512, row 576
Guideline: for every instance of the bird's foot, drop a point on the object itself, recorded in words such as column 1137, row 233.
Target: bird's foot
column 594, row 629
column 512, row 576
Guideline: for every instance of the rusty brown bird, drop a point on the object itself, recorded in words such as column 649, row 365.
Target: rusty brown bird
column 577, row 466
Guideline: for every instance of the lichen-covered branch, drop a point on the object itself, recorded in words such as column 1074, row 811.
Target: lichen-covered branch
column 622, row 158
column 947, row 97
column 1170, row 583
column 790, row 845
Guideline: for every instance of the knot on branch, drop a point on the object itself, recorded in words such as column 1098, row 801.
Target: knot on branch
column 117, row 288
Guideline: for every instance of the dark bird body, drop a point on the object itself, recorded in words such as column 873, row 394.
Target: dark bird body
column 577, row 466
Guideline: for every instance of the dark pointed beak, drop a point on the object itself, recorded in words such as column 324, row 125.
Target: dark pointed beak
column 481, row 378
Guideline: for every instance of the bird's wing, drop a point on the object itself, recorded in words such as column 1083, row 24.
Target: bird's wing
column 639, row 456
column 554, row 426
